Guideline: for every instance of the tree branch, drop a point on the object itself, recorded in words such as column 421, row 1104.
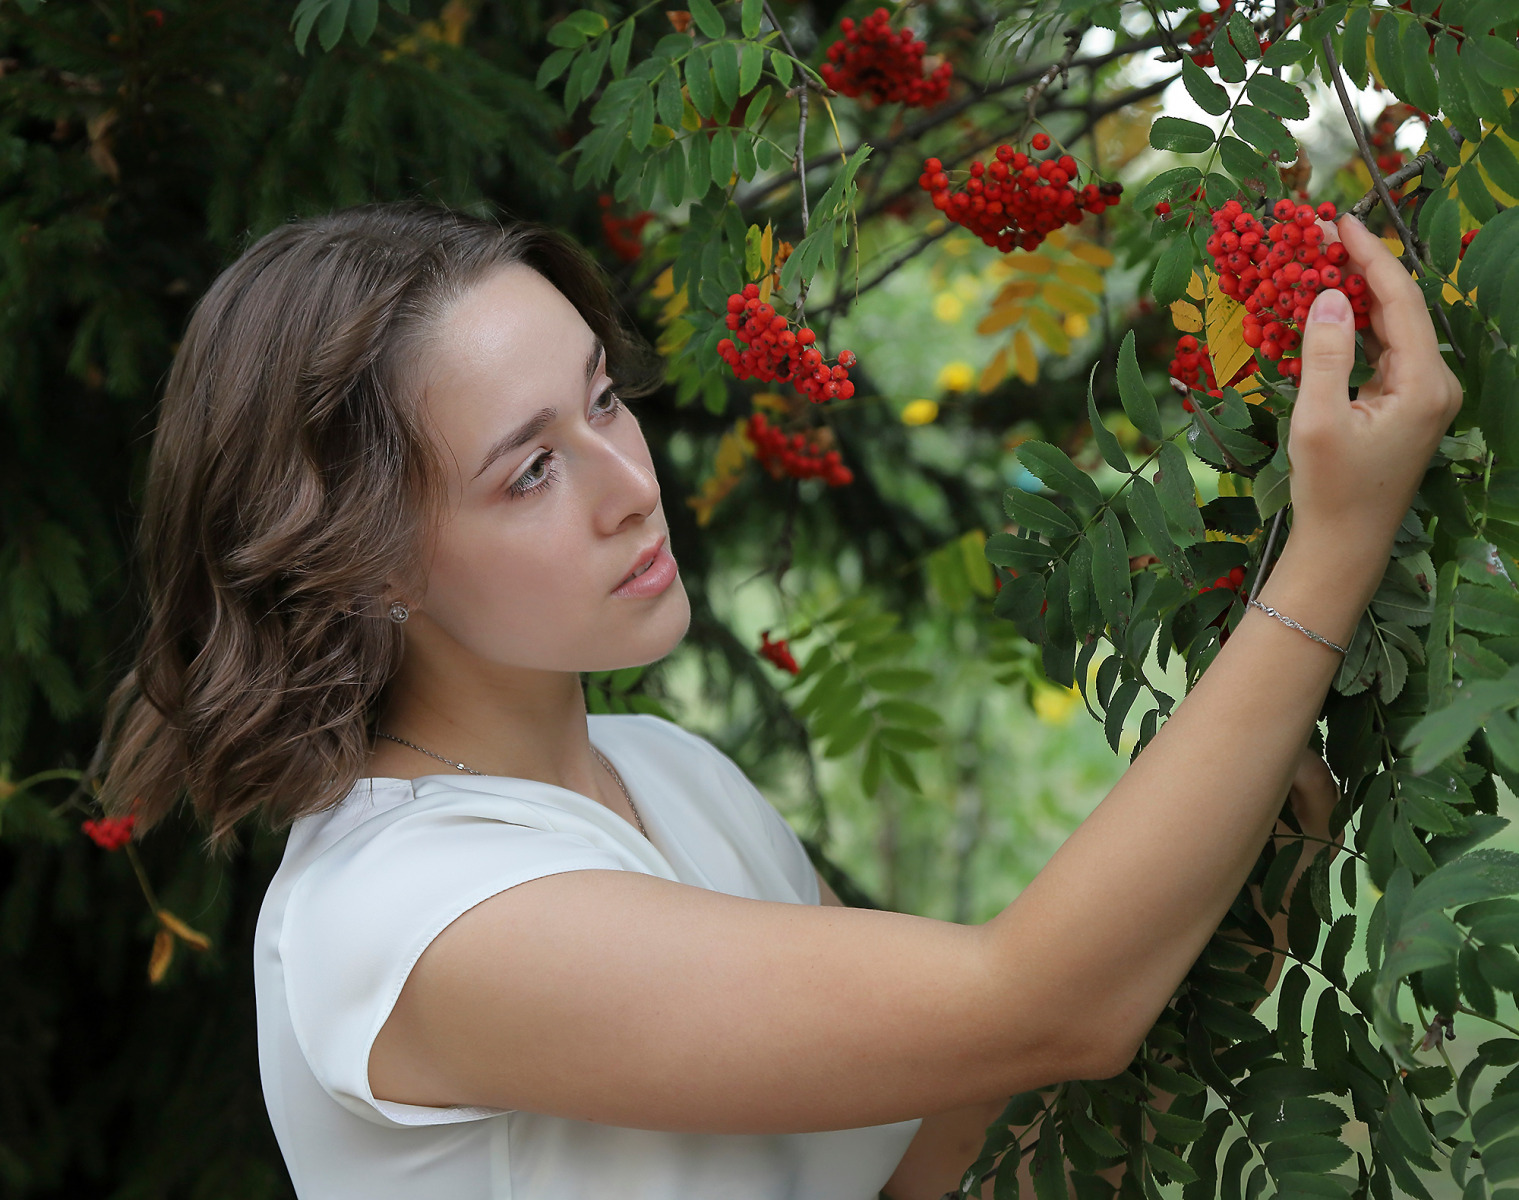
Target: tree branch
column 1358, row 131
column 1361, row 209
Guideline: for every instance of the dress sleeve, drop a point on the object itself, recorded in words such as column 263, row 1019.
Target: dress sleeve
column 362, row 913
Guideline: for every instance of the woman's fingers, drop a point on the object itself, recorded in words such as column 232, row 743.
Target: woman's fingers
column 1397, row 305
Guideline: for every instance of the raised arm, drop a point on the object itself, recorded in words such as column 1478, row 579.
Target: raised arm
column 1128, row 902
column 626, row 999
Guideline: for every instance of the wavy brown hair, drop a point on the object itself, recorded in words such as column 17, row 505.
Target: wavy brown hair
column 290, row 485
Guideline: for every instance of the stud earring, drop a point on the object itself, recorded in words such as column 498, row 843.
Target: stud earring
column 399, row 612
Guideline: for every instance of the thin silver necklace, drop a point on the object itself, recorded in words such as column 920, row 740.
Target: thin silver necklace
column 460, row 766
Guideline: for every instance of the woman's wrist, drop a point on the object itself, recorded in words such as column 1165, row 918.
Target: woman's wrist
column 1325, row 584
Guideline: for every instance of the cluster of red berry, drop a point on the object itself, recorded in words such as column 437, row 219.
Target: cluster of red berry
column 872, row 59
column 775, row 353
column 110, row 833
column 1233, row 581
column 795, row 456
column 1192, row 365
column 1276, row 272
column 777, row 652
column 1013, row 202
column 621, row 233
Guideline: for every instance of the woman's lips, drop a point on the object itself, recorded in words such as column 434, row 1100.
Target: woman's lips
column 659, row 575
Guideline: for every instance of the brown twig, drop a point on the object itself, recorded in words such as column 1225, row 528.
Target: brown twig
column 1361, row 209
column 1358, row 131
column 1060, row 69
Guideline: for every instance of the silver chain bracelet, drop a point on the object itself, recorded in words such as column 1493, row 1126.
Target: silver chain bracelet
column 1288, row 620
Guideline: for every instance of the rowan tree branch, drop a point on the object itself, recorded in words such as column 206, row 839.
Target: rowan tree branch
column 1361, row 209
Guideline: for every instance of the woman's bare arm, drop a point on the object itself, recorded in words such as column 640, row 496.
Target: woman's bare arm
column 631, row 1000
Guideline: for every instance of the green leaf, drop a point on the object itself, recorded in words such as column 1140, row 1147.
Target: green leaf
column 1264, row 131
column 552, row 67
column 1172, row 270
column 1107, row 443
column 362, row 18
column 749, row 17
column 1036, row 513
column 1163, row 1160
column 724, row 58
column 333, row 20
column 1277, row 96
column 1110, row 570
column 1486, row 609
column 668, row 99
column 1138, row 402
column 707, row 19
column 1209, row 96
column 1180, row 136
column 577, row 28
column 621, row 48
column 1150, row 518
column 1353, row 54
column 1284, row 52
column 781, row 64
column 898, row 679
column 1444, row 229
column 699, row 81
column 674, row 179
column 1446, row 93
column 1047, row 1168
column 751, row 64
column 1054, row 469
column 1178, row 494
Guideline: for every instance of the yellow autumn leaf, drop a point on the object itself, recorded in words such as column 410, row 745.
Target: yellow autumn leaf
column 1078, row 275
column 664, row 284
column 1089, row 252
column 1065, row 298
column 920, row 412
column 1025, row 361
column 994, row 372
column 1076, row 325
column 1049, row 330
column 1187, row 317
column 1017, row 289
column 1001, row 317
column 1225, row 324
column 161, row 955
column 177, row 927
column 1031, row 262
column 767, row 249
column 770, row 402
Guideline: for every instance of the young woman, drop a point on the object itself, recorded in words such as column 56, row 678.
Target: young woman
column 396, row 505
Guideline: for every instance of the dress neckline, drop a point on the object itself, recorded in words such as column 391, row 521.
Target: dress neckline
column 617, row 768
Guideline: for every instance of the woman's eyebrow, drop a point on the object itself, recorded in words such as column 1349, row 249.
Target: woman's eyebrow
column 539, row 421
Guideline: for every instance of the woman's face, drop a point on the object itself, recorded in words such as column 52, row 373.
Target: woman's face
column 552, row 496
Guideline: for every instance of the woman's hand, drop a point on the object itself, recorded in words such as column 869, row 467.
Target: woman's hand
column 1312, row 797
column 1356, row 464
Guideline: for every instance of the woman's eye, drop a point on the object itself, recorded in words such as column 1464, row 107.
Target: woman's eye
column 542, row 472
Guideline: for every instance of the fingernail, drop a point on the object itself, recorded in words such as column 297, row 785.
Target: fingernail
column 1331, row 308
